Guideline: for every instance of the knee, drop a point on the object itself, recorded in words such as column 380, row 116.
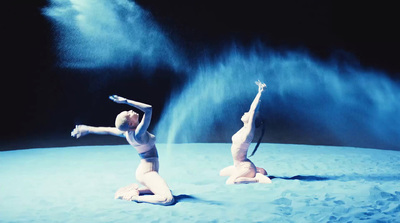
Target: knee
column 223, row 173
column 168, row 200
column 230, row 181
column 227, row 171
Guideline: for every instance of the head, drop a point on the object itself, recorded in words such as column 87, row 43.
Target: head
column 127, row 120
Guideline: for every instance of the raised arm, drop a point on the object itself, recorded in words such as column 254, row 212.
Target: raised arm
column 147, row 109
column 139, row 105
column 82, row 130
column 256, row 102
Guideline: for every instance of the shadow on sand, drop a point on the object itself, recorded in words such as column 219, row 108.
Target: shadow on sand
column 190, row 198
column 306, row 178
column 370, row 177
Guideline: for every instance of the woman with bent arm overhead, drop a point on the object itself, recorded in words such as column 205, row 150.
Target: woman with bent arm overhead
column 155, row 190
column 243, row 170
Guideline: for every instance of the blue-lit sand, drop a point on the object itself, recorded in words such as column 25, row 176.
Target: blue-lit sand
column 310, row 184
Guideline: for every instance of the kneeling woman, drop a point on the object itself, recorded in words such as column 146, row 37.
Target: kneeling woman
column 127, row 125
column 243, row 170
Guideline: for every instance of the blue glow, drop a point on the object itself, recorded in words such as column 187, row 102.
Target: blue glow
column 112, row 33
column 356, row 106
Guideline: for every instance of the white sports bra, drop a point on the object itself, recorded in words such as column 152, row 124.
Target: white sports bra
column 141, row 148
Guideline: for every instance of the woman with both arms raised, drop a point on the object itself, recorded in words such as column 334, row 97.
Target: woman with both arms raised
column 155, row 190
column 243, row 170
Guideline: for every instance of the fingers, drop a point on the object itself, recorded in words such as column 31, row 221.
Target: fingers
column 117, row 99
column 260, row 84
column 76, row 132
column 113, row 97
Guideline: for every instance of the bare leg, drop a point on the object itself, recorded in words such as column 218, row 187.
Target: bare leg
column 144, row 190
column 155, row 190
column 127, row 192
column 259, row 178
column 161, row 193
column 227, row 171
column 245, row 180
column 243, row 174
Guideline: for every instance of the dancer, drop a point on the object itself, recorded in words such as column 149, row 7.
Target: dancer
column 243, row 170
column 154, row 190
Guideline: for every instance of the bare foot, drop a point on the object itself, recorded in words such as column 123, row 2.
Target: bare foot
column 128, row 193
column 261, row 170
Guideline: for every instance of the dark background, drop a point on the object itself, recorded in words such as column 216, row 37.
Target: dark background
column 42, row 102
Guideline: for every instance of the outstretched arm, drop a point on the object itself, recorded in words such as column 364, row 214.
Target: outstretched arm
column 147, row 109
column 82, row 130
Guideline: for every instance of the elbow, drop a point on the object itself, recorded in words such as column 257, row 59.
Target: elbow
column 148, row 109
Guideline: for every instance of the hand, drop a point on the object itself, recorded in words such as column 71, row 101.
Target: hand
column 80, row 130
column 261, row 86
column 117, row 99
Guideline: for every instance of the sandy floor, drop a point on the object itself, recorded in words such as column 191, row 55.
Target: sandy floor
column 310, row 184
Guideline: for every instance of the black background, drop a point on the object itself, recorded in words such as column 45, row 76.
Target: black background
column 42, row 102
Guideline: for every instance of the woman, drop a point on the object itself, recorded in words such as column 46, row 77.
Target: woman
column 243, row 170
column 127, row 125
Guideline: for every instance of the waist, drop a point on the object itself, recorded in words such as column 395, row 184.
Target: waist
column 238, row 163
column 149, row 154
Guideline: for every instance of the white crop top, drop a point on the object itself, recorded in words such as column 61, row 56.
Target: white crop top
column 141, row 148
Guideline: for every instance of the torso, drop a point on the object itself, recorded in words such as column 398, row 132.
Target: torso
column 241, row 141
column 148, row 141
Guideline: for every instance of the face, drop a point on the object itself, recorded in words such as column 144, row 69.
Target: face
column 133, row 118
column 245, row 117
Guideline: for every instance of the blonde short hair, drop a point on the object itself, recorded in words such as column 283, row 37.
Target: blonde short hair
column 122, row 122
